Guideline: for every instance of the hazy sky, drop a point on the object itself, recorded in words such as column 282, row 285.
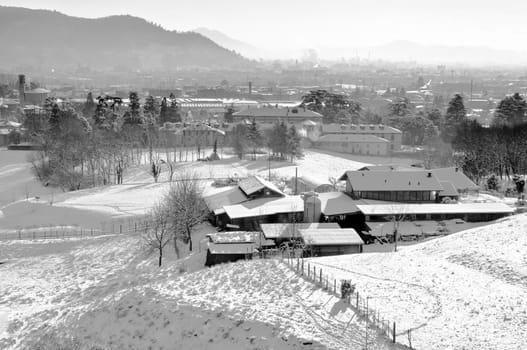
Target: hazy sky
column 307, row 23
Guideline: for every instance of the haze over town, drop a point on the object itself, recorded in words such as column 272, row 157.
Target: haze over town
column 263, row 175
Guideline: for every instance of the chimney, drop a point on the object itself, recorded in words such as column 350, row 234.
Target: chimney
column 22, row 89
column 250, row 88
column 429, row 175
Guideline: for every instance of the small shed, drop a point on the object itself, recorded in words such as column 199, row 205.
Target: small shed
column 285, row 232
column 325, row 242
column 224, row 253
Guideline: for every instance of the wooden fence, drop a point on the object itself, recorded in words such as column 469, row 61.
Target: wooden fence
column 120, row 226
column 373, row 318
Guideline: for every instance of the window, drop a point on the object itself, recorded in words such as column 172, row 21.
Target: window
column 413, row 196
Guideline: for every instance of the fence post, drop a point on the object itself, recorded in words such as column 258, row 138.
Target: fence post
column 308, row 270
column 297, row 264
column 314, row 273
column 358, row 302
column 321, row 276
column 91, row 231
column 302, row 267
column 120, row 228
column 393, row 332
column 335, row 286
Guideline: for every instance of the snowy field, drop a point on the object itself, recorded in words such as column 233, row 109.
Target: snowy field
column 464, row 291
column 87, row 208
column 108, row 291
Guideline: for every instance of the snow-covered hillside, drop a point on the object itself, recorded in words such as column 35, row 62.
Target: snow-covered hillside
column 464, row 291
column 107, row 291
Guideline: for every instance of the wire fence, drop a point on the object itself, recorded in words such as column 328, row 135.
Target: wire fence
column 359, row 303
column 118, row 226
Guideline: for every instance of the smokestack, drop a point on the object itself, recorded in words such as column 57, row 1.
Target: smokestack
column 22, row 89
column 250, row 88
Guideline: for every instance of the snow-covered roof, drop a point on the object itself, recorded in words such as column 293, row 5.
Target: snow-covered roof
column 253, row 184
column 336, row 203
column 359, row 129
column 295, row 112
column 365, row 138
column 287, row 230
column 265, row 206
column 232, row 195
column 392, row 181
column 458, row 208
column 320, row 237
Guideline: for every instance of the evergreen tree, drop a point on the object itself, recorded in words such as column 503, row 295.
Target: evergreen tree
column 455, row 116
column 278, row 139
column 227, row 116
column 99, row 115
column 150, row 108
column 330, row 104
column 294, row 148
column 173, row 110
column 511, row 111
column 254, row 137
column 89, row 106
column 164, row 112
column 133, row 115
column 238, row 140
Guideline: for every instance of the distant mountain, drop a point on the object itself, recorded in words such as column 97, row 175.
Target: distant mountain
column 227, row 42
column 49, row 39
column 410, row 51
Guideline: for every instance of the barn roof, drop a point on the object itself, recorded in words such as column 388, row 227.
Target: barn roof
column 286, row 230
column 359, row 129
column 392, row 181
column 230, row 196
column 253, row 184
column 354, row 138
column 287, row 113
column 265, row 206
column 448, row 189
column 458, row 208
column 321, row 237
column 456, row 177
column 337, row 203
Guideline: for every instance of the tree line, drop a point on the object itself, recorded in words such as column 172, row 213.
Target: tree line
column 499, row 150
column 282, row 141
column 94, row 144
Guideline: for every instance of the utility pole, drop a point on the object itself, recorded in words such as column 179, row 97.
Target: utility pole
column 366, row 335
column 269, row 165
column 296, row 180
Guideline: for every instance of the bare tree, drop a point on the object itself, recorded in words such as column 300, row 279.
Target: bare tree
column 157, row 233
column 186, row 205
column 398, row 215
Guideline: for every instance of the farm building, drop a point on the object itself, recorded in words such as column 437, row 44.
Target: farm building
column 249, row 215
column 271, row 115
column 394, row 186
column 354, row 144
column 324, row 242
column 248, row 189
column 224, row 253
column 392, row 135
column 285, row 232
